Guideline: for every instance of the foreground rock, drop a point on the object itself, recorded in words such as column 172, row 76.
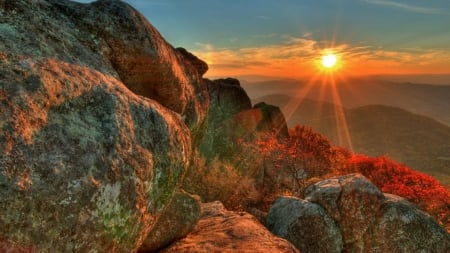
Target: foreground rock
column 352, row 201
column 113, row 38
column 220, row 230
column 87, row 165
column 368, row 220
column 305, row 224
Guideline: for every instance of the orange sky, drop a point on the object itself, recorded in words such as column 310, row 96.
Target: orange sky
column 300, row 58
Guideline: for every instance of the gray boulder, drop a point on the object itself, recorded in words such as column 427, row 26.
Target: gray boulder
column 402, row 227
column 351, row 200
column 369, row 220
column 304, row 224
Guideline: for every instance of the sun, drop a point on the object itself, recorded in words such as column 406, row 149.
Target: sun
column 329, row 60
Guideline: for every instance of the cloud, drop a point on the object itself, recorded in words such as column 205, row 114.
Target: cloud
column 300, row 57
column 406, row 7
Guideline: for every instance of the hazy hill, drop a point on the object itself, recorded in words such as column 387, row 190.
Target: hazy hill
column 417, row 141
column 429, row 100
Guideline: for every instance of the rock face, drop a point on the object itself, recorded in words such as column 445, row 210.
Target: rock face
column 305, row 224
column 227, row 98
column 368, row 220
column 220, row 230
column 177, row 221
column 231, row 117
column 112, row 37
column 87, row 165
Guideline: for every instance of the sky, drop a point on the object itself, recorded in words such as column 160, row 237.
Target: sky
column 287, row 38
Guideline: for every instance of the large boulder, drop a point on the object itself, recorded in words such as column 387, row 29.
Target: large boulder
column 220, row 230
column 304, row 224
column 86, row 165
column 351, row 200
column 112, row 37
column 369, row 220
column 402, row 227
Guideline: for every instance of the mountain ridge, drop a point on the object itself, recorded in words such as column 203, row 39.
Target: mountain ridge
column 429, row 100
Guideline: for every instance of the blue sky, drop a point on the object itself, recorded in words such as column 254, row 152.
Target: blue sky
column 391, row 36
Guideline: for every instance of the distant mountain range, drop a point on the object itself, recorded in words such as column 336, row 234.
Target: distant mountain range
column 429, row 100
column 415, row 140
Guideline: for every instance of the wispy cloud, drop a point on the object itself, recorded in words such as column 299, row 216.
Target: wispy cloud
column 406, row 7
column 300, row 57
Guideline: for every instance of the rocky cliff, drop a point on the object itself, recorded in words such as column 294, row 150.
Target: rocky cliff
column 97, row 113
column 102, row 125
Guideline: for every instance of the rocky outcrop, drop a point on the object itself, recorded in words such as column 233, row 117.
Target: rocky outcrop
column 198, row 64
column 86, row 164
column 231, row 117
column 368, row 220
column 113, row 38
column 273, row 120
column 305, row 224
column 179, row 218
column 219, row 230
column 227, row 98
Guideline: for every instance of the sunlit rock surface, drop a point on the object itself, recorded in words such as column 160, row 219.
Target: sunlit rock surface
column 89, row 163
column 113, row 38
column 219, row 230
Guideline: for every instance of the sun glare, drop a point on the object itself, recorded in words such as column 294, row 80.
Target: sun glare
column 329, row 60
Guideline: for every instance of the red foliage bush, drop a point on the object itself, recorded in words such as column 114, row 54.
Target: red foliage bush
column 291, row 163
column 391, row 177
column 305, row 155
